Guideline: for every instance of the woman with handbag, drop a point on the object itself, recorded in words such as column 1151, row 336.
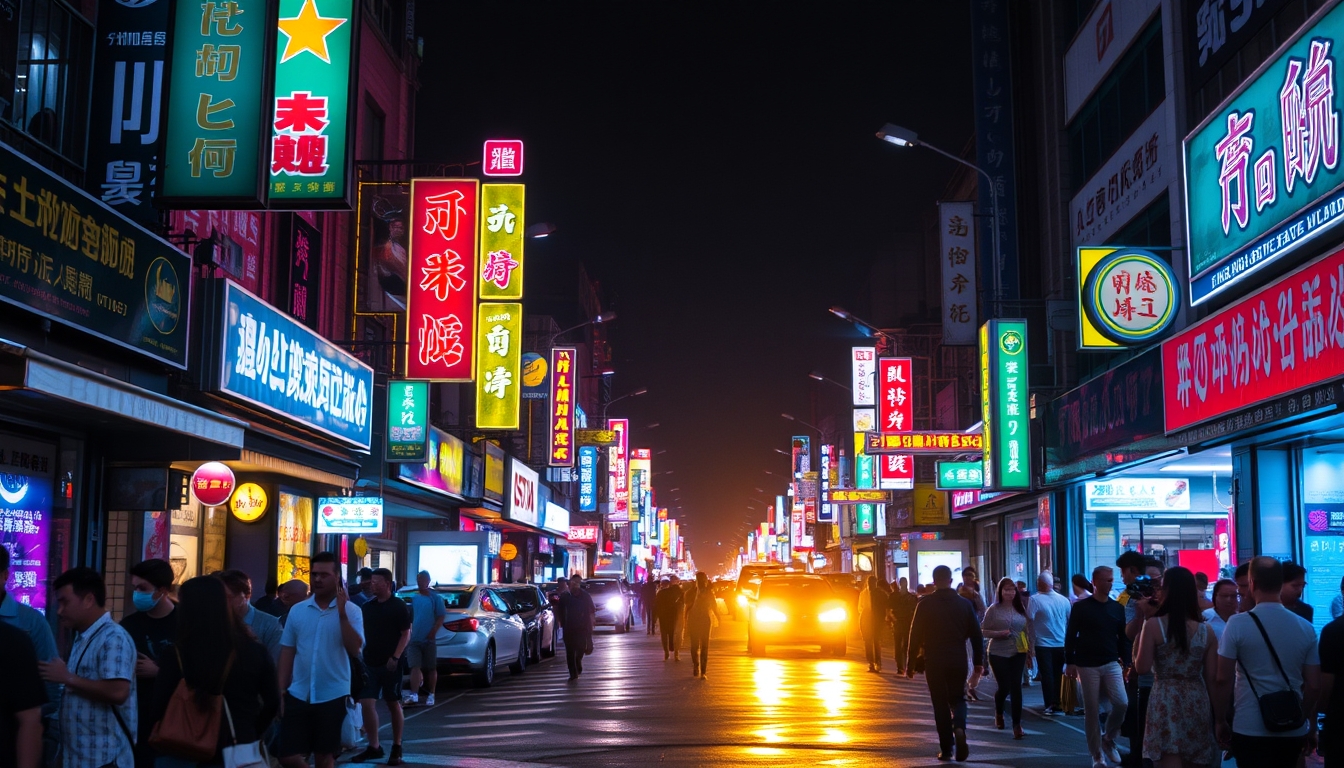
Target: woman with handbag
column 218, row 693
column 1010, row 645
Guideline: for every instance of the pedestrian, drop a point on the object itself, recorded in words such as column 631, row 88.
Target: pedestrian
column 561, row 587
column 1011, row 644
column 1245, row 598
column 1178, row 648
column 669, row 605
column 263, row 627
column 873, row 601
column 1265, row 651
column 214, row 655
column 578, row 616
column 970, row 589
column 648, row 596
column 270, row 602
column 943, row 626
column 1142, row 577
column 1331, row 652
column 1081, row 588
column 387, row 632
column 153, row 627
column 321, row 634
column 365, row 593
column 1224, row 606
column 1336, row 605
column 1093, row 643
column 1202, row 591
column 35, row 626
column 1294, row 584
column 1048, row 612
column 292, row 593
column 98, row 707
column 21, row 700
column 902, row 611
column 427, row 615
column 701, row 616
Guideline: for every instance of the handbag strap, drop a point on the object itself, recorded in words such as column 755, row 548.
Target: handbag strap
column 228, row 718
column 1272, row 653
column 115, row 712
column 223, row 679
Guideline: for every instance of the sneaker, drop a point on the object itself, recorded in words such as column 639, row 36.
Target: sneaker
column 395, row 757
column 411, row 700
column 429, row 700
column 369, row 755
column 1110, row 752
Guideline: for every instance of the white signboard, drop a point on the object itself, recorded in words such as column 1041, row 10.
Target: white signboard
column 1132, row 179
column 557, row 519
column 956, row 244
column 356, row 515
column 1138, row 494
column 523, row 495
column 865, row 419
column 1101, row 41
column 865, row 364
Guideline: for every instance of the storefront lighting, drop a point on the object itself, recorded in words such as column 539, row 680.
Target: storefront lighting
column 1190, row 469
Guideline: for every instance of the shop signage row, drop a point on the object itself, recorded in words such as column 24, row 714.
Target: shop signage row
column 563, row 397
column 1004, row 405
column 1127, row 296
column 354, row 515
column 924, row 442
column 499, row 353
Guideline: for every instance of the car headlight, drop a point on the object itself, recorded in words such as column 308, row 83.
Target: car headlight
column 741, row 599
column 832, row 616
column 615, row 604
column 770, row 615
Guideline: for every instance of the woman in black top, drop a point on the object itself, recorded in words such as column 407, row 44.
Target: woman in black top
column 208, row 635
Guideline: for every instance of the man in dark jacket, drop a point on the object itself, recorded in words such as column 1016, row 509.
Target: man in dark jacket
column 902, row 611
column 942, row 624
column 667, row 608
column 577, row 615
column 648, row 594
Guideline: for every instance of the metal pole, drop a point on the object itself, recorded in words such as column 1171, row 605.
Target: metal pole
column 994, row 201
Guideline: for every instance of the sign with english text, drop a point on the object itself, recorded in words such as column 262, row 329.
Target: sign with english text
column 502, row 157
column 524, row 494
column 441, row 285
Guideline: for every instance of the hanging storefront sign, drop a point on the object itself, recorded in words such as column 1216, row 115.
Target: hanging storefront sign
column 923, row 442
column 71, row 259
column 281, row 366
column 212, row 483
column 829, row 459
column 895, row 396
column 524, row 494
column 563, row 397
column 494, row 472
column 641, row 474
column 27, row 524
column 499, row 338
column 1282, row 339
column 1137, row 494
column 956, row 252
column 441, row 285
column 865, row 419
column 502, row 157
column 587, row 478
column 1004, row 404
column 248, row 502
column 407, row 421
column 1263, row 176
column 536, row 378
column 310, row 133
column 801, row 459
column 865, row 514
column 219, row 97
column 1127, row 296
column 500, row 275
column 845, row 496
column 305, row 270
column 603, row 438
column 443, row 469
column 126, row 106
column 930, row 507
column 556, row 519
column 1134, row 177
column 1110, row 420
column 864, row 363
column 960, row 475
column 354, row 515
column 583, row 534
column 619, row 471
column 895, row 471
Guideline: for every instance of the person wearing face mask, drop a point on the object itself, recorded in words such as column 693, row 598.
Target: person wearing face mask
column 152, row 627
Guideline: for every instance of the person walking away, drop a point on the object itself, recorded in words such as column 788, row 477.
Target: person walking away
column 321, row 634
column 263, row 627
column 1093, row 641
column 873, row 602
column 1081, row 588
column 943, row 626
column 269, row 603
column 902, row 611
column 1140, row 604
column 1294, row 584
column 1266, row 650
column 1224, row 606
column 34, row 625
column 1331, row 652
column 648, row 596
column 21, row 700
column 152, row 626
column 561, row 587
column 668, row 607
column 1010, row 645
column 365, row 593
column 1048, row 613
column 700, row 618
column 1179, row 649
column 1202, row 591
column 387, row 632
column 578, row 615
column 98, row 707
column 427, row 615
column 214, row 655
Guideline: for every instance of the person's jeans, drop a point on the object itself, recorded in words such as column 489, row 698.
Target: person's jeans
column 872, row 644
column 1049, row 671
column 575, row 650
column 699, row 648
column 901, row 641
column 1266, row 751
column 947, row 691
column 1102, row 682
column 671, row 636
column 1008, row 682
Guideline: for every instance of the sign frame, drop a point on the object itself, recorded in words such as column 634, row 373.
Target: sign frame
column 465, row 310
column 996, row 341
column 417, row 390
column 877, row 443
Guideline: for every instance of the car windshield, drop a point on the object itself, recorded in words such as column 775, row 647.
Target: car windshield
column 456, row 598
column 519, row 599
column 796, row 589
column 600, row 587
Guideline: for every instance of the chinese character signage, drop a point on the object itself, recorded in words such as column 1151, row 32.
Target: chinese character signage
column 895, row 471
column 284, row 367
column 619, row 471
column 1128, row 296
column 858, row 495
column 1281, row 339
column 562, row 406
column 407, row 420
column 444, row 468
column 501, row 262
column 956, row 252
column 895, row 397
column 499, row 336
column 1137, row 494
column 587, row 478
column 829, row 460
column 1005, row 405
column 502, row 157
column 583, row 534
column 865, row 515
column 865, row 362
column 802, row 455
column 1135, row 175
column 71, row 259
column 923, row 442
column 126, row 106
column 960, row 475
column 311, row 132
column 218, row 97
column 355, row 515
column 25, row 519
column 1262, row 173
column 441, row 288
column 305, row 270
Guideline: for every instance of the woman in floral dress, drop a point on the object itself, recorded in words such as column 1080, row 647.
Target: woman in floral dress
column 1178, row 648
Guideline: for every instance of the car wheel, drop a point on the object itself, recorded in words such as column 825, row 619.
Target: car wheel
column 520, row 666
column 485, row 676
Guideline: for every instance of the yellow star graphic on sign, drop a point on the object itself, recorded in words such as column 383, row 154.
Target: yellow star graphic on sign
column 308, row 32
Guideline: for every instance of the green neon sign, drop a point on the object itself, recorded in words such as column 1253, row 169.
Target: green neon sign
column 407, row 421
column 960, row 475
column 1005, row 405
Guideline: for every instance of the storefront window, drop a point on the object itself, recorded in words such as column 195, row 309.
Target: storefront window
column 1323, row 516
column 1024, row 548
column 295, row 533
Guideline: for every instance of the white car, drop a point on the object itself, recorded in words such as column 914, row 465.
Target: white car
column 479, row 632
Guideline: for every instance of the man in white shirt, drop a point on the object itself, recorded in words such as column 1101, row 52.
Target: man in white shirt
column 1048, row 612
column 321, row 634
column 1245, row 658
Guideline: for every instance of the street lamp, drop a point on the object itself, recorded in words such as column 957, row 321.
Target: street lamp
column 904, row 137
column 819, row 376
column 846, row 315
column 797, row 420
column 539, row 230
column 606, row 405
column 602, row 317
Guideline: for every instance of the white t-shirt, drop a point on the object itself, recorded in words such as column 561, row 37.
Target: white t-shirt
column 1215, row 622
column 1295, row 643
column 321, row 663
column 1049, row 614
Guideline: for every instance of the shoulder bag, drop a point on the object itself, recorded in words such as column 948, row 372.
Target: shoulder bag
column 237, row 755
column 190, row 730
column 1281, row 710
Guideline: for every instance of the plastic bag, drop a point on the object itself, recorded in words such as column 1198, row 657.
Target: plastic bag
column 354, row 721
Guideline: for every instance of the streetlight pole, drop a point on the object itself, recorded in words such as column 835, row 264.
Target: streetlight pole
column 606, row 405
column 797, row 420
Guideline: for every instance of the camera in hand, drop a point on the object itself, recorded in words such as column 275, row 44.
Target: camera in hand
column 1143, row 587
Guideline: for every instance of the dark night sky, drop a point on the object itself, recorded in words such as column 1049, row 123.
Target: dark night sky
column 713, row 165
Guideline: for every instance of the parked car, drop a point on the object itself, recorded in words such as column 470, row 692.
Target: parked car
column 479, row 633
column 615, row 605
column 530, row 604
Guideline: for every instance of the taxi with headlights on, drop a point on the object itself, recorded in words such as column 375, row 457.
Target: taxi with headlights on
column 796, row 609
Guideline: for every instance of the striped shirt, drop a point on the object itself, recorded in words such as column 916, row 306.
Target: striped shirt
column 90, row 733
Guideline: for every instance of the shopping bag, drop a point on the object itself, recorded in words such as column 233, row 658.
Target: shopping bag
column 354, row 720
column 1022, row 644
column 1070, row 695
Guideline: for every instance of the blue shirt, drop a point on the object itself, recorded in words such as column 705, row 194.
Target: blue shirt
column 33, row 624
column 267, row 629
column 321, row 663
column 426, row 612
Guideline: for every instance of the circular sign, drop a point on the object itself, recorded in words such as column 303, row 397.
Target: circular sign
column 212, row 483
column 534, row 369
column 1130, row 297
column 361, row 547
column 248, row 502
column 163, row 295
column 1010, row 342
column 508, row 551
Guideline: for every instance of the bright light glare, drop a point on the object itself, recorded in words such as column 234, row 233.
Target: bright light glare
column 897, row 140
column 741, row 599
column 615, row 604
column 832, row 616
column 768, row 615
column 769, row 677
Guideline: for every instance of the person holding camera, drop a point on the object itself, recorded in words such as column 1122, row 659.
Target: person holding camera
column 1272, row 656
column 1143, row 578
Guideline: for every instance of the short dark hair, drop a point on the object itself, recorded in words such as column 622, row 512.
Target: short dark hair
column 237, row 581
column 1292, row 571
column 943, row 573
column 83, row 581
column 385, row 573
column 1224, row 583
column 155, row 571
column 1153, row 562
column 1131, row 559
column 1266, row 574
column 1242, row 570
column 1202, row 578
column 365, row 574
column 325, row 557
